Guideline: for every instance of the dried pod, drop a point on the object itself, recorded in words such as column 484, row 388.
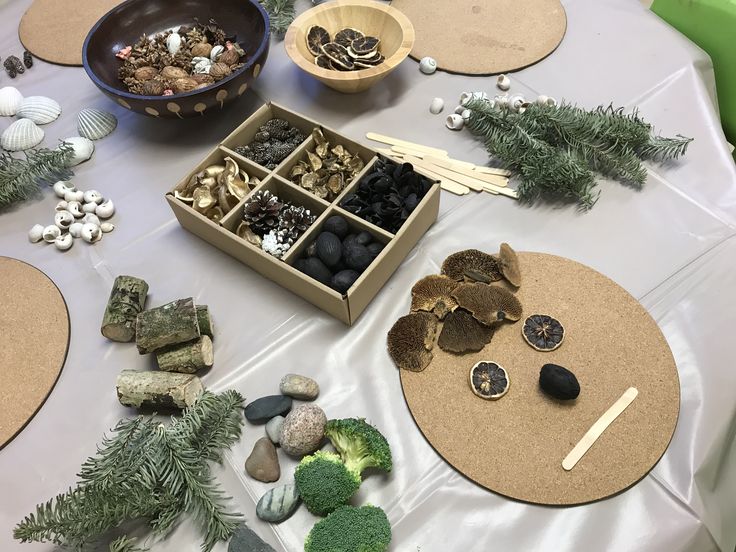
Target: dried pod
column 145, row 73
column 183, row 85
column 203, row 199
column 461, row 333
column 172, row 73
column 508, row 263
column 329, row 249
column 202, row 49
column 473, row 265
column 488, row 304
column 153, row 88
column 219, row 71
column 411, row 339
column 433, row 294
column 229, row 57
column 558, row 382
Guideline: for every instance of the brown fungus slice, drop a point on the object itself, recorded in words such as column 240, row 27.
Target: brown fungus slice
column 461, row 333
column 410, row 341
column 488, row 304
column 543, row 332
column 508, row 263
column 433, row 293
column 473, row 265
column 489, row 380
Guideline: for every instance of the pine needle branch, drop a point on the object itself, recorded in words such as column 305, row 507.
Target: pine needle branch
column 281, row 14
column 125, row 544
column 21, row 178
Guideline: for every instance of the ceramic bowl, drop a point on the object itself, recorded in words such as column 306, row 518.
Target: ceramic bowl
column 373, row 18
column 125, row 24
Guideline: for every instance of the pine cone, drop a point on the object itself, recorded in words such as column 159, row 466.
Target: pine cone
column 295, row 221
column 276, row 243
column 261, row 212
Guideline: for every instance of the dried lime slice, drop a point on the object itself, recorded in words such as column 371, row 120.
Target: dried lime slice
column 346, row 36
column 316, row 37
column 338, row 55
column 365, row 45
column 542, row 332
column 323, row 61
column 488, row 380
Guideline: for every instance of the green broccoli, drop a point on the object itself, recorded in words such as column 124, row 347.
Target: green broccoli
column 360, row 444
column 350, row 529
column 324, row 482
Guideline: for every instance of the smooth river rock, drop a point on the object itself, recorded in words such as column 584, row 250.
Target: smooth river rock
column 299, row 387
column 263, row 462
column 263, row 409
column 273, row 428
column 303, row 430
column 245, row 540
column 278, row 504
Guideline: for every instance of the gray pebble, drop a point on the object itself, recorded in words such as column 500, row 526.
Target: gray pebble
column 245, row 540
column 299, row 387
column 278, row 504
column 263, row 409
column 303, row 430
column 273, row 428
column 263, row 462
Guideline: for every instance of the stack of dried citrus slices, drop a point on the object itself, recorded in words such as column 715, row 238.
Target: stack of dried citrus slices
column 349, row 50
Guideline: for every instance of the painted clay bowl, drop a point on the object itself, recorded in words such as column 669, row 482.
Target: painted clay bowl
column 125, row 24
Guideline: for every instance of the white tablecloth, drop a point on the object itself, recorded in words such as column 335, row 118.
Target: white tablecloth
column 671, row 245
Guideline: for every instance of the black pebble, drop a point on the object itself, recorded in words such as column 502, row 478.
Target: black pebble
column 350, row 238
column 337, row 225
column 263, row 409
column 375, row 248
column 343, row 280
column 558, row 382
column 364, row 238
column 329, row 249
column 357, row 256
column 316, row 269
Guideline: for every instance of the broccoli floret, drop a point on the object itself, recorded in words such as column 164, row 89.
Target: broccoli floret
column 350, row 529
column 324, row 482
column 360, row 444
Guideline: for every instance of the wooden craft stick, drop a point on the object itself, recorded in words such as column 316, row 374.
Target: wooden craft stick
column 410, row 151
column 598, row 428
column 452, row 166
column 508, row 192
column 397, row 142
column 472, row 183
column 492, row 170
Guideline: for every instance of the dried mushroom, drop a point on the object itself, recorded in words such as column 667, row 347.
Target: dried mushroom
column 461, row 333
column 543, row 332
column 487, row 303
column 489, row 380
column 472, row 265
column 411, row 339
column 433, row 294
column 508, row 263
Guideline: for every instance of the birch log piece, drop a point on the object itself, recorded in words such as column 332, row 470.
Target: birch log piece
column 205, row 321
column 169, row 324
column 142, row 389
column 186, row 358
column 127, row 298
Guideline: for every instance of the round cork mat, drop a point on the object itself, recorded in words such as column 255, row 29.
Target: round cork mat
column 54, row 30
column 482, row 37
column 515, row 445
column 34, row 323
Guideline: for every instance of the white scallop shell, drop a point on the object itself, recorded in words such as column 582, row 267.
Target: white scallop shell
column 173, row 43
column 83, row 150
column 95, row 123
column 39, row 109
column 21, row 135
column 10, row 100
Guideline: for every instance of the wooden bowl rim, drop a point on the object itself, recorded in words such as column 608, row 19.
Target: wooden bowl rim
column 389, row 64
column 265, row 41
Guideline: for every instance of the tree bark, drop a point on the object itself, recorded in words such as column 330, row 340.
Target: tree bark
column 187, row 358
column 127, row 298
column 169, row 324
column 159, row 390
column 205, row 321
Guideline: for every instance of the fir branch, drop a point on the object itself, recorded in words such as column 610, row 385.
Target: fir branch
column 21, row 179
column 126, row 544
column 281, row 14
column 219, row 424
column 659, row 148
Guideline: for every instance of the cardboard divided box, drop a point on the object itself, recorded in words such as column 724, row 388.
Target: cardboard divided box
column 221, row 234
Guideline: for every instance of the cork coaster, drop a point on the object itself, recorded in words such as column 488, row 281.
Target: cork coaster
column 55, row 30
column 515, row 445
column 482, row 37
column 34, row 323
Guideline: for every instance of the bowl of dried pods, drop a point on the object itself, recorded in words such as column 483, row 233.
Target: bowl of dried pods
column 350, row 45
column 172, row 59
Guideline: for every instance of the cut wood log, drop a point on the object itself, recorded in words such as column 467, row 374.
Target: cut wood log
column 126, row 302
column 186, row 358
column 159, row 390
column 169, row 324
column 206, row 327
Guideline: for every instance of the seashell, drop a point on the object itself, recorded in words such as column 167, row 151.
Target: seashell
column 39, row 109
column 75, row 208
column 201, row 65
column 516, row 101
column 465, row 115
column 105, row 210
column 95, row 123
column 50, row 233
column 61, row 187
column 63, row 219
column 64, row 242
column 437, row 105
column 89, row 207
column 503, row 82
column 216, row 51
column 76, row 229
column 465, row 97
column 502, row 102
column 61, row 206
column 427, row 65
column 542, row 99
column 21, row 135
column 173, row 43
column 551, row 101
column 459, row 109
column 83, row 150
column 35, row 234
column 74, row 195
column 90, row 232
column 455, row 122
column 10, row 100
column 91, row 218
column 107, row 227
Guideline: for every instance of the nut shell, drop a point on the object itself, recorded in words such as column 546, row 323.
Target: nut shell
column 172, row 73
column 229, row 57
column 219, row 71
column 183, row 85
column 153, row 88
column 145, row 73
column 201, row 49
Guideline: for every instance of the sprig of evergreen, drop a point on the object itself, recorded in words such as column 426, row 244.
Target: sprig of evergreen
column 147, row 471
column 281, row 14
column 21, row 178
column 557, row 149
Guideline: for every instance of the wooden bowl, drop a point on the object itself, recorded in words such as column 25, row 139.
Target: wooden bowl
column 125, row 24
column 371, row 17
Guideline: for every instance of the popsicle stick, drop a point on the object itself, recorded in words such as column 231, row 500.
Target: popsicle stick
column 454, row 187
column 598, row 428
column 451, row 166
column 416, row 153
column 411, row 145
column 508, row 192
column 492, row 170
column 472, row 183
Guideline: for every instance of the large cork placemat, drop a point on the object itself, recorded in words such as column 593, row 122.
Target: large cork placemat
column 54, row 30
column 482, row 37
column 34, row 324
column 515, row 445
